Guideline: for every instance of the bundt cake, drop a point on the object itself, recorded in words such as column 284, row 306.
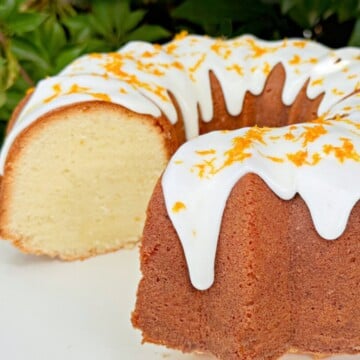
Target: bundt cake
column 251, row 245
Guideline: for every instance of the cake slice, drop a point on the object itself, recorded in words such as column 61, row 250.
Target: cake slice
column 87, row 193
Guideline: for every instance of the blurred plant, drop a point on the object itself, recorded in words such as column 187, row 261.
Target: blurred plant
column 14, row 79
column 228, row 17
column 273, row 19
column 311, row 15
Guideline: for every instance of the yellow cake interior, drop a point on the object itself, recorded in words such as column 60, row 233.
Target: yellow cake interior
column 89, row 189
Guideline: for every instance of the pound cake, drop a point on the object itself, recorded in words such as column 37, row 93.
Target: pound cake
column 86, row 147
column 251, row 245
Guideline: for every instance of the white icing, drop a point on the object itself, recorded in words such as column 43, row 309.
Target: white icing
column 141, row 76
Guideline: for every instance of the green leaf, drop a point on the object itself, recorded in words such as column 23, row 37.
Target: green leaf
column 226, row 28
column 97, row 45
column 13, row 68
column 355, row 36
column 9, row 69
column 97, row 26
column 113, row 20
column 148, row 33
column 67, row 55
column 53, row 36
column 21, row 23
column 36, row 39
column 119, row 12
column 3, row 74
column 28, row 51
column 78, row 27
column 213, row 11
column 13, row 96
column 308, row 13
column 287, row 5
column 347, row 9
column 133, row 19
column 303, row 14
column 7, row 7
column 3, row 98
column 103, row 14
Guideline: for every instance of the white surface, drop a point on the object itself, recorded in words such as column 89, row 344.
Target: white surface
column 74, row 311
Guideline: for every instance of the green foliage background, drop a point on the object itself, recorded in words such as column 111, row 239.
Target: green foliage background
column 39, row 37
